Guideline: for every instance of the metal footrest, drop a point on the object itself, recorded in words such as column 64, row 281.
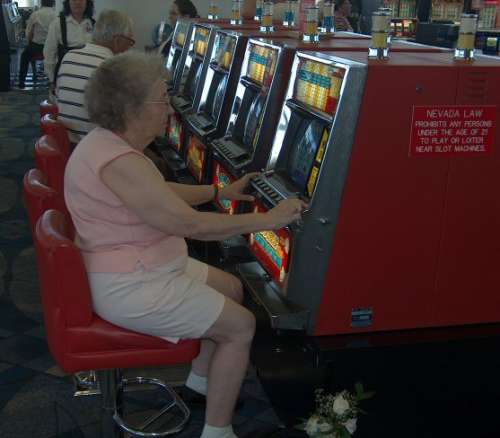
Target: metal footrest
column 175, row 403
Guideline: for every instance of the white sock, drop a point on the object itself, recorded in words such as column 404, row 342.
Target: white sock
column 197, row 383
column 218, row 432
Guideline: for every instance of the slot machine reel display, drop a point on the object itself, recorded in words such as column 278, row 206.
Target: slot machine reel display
column 177, row 54
column 397, row 235
column 194, row 69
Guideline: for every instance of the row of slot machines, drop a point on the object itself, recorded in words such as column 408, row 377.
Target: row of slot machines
column 398, row 160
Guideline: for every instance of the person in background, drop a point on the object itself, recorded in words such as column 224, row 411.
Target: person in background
column 179, row 9
column 113, row 34
column 342, row 12
column 36, row 34
column 131, row 225
column 73, row 29
column 248, row 10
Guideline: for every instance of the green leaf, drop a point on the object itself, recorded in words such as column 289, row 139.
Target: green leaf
column 366, row 395
column 359, row 388
column 344, row 433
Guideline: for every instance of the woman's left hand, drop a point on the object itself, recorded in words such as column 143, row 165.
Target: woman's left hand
column 236, row 190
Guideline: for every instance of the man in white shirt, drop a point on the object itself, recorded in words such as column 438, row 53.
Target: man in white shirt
column 36, row 34
column 76, row 17
column 113, row 34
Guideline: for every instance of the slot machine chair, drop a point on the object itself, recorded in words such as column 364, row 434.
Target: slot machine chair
column 51, row 160
column 47, row 107
column 51, row 126
column 40, row 197
column 81, row 341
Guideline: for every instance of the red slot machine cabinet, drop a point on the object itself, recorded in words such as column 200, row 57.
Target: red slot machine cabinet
column 402, row 231
column 246, row 145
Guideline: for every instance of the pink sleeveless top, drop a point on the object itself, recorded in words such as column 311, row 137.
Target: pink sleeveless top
column 111, row 237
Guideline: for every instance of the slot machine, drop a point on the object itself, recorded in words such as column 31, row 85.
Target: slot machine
column 398, row 161
column 194, row 68
column 13, row 23
column 263, row 75
column 177, row 54
column 246, row 145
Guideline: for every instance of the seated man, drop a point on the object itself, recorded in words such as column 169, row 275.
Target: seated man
column 36, row 34
column 113, row 34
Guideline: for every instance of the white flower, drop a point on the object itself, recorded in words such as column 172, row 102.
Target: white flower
column 312, row 425
column 351, row 425
column 324, row 426
column 340, row 405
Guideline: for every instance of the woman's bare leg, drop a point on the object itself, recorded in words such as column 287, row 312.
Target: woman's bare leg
column 230, row 286
column 232, row 335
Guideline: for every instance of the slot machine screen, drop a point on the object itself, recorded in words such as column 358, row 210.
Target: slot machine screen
column 221, row 63
column 253, row 120
column 306, row 155
column 180, row 35
column 193, row 79
column 272, row 249
column 215, row 96
column 318, row 85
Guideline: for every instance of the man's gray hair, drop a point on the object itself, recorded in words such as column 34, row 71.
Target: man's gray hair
column 109, row 24
column 119, row 88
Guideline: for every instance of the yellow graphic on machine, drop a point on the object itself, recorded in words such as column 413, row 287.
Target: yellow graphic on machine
column 201, row 40
column 275, row 247
column 313, row 177
column 195, row 160
column 261, row 63
column 318, row 85
column 180, row 38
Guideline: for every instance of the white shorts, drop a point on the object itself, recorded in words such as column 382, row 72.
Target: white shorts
column 171, row 302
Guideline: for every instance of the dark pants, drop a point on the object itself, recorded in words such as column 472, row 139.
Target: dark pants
column 28, row 54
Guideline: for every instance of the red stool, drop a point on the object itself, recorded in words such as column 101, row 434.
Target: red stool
column 81, row 341
column 51, row 160
column 39, row 197
column 51, row 126
column 47, row 107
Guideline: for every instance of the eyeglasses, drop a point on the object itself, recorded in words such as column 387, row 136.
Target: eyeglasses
column 130, row 40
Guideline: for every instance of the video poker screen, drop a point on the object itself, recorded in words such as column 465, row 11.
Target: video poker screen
column 303, row 152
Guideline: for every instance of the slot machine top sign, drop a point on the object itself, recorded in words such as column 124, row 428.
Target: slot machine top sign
column 201, row 36
column 318, row 85
column 262, row 63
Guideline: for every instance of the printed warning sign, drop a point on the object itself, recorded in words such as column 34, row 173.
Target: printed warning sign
column 453, row 130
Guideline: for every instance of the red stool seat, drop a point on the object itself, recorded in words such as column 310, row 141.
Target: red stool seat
column 51, row 126
column 80, row 340
column 51, row 160
column 39, row 197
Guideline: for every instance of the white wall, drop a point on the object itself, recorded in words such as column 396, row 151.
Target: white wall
column 147, row 13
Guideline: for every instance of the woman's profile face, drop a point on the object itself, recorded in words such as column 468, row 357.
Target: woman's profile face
column 173, row 14
column 156, row 110
column 77, row 6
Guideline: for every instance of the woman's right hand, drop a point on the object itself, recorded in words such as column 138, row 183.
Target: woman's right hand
column 285, row 212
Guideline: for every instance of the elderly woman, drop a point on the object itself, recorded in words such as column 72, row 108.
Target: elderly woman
column 131, row 226
column 343, row 10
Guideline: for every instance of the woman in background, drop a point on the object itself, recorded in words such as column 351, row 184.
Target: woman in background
column 342, row 12
column 179, row 9
column 73, row 29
